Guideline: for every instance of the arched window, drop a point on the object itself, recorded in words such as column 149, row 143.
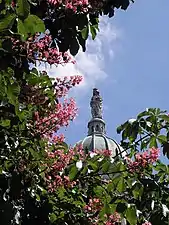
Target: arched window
column 97, row 127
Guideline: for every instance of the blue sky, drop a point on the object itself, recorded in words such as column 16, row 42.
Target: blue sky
column 128, row 62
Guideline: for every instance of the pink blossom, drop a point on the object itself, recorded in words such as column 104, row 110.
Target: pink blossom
column 143, row 159
column 93, row 206
column 74, row 5
column 61, row 159
column 103, row 152
column 60, row 116
column 146, row 223
column 37, row 48
column 112, row 219
column 58, row 139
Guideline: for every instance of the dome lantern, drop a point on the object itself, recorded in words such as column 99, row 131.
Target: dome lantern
column 96, row 138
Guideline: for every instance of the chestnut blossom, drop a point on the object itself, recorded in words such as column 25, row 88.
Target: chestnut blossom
column 57, row 139
column 82, row 6
column 61, row 116
column 103, row 152
column 93, row 206
column 55, row 172
column 74, row 5
column 143, row 159
column 112, row 219
column 62, row 86
column 39, row 48
column 147, row 223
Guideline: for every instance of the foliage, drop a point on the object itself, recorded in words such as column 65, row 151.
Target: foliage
column 42, row 179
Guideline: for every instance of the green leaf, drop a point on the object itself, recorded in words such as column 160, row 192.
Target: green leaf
column 142, row 114
column 52, row 217
column 73, row 172
column 21, row 29
column 93, row 31
column 121, row 185
column 110, row 187
column 164, row 117
column 23, row 9
column 137, row 190
column 166, row 149
column 153, row 142
column 34, row 24
column 74, row 46
column 99, row 191
column 7, row 22
column 119, row 129
column 131, row 215
column 13, row 91
column 5, row 123
column 105, row 166
column 85, row 33
column 93, row 165
column 162, row 139
column 107, row 209
column 121, row 207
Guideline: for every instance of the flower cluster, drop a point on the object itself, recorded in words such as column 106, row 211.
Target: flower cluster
column 56, row 139
column 58, row 181
column 61, row 159
column 60, row 116
column 147, row 223
column 93, row 206
column 74, row 5
column 78, row 5
column 112, row 219
column 103, row 152
column 143, row 159
column 41, row 49
column 62, row 86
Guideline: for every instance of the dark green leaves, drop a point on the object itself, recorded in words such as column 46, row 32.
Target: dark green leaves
column 5, row 123
column 85, row 32
column 93, row 30
column 153, row 142
column 30, row 25
column 7, row 22
column 23, row 9
column 13, row 91
column 34, row 24
column 73, row 170
column 131, row 215
column 22, row 29
column 74, row 46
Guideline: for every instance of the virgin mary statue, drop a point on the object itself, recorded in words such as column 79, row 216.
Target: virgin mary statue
column 96, row 104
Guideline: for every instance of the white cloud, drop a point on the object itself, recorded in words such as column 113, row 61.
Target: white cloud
column 92, row 64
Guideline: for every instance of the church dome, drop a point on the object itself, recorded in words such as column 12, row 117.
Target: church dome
column 97, row 138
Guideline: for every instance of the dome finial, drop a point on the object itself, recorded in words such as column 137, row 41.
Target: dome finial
column 96, row 104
